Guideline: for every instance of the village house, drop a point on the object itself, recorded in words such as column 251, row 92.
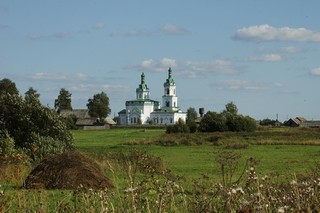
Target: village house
column 85, row 121
column 302, row 122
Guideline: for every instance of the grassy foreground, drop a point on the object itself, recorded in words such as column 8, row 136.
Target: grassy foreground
column 271, row 170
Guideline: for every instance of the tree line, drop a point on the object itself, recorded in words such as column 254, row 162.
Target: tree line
column 227, row 120
column 29, row 128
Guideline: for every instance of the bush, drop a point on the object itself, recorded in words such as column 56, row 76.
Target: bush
column 179, row 127
column 44, row 146
column 26, row 122
column 6, row 144
column 227, row 120
column 213, row 122
column 240, row 123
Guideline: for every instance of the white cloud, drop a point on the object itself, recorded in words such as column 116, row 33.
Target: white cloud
column 130, row 33
column 99, row 26
column 290, row 49
column 315, row 71
column 193, row 68
column 173, row 29
column 246, row 85
column 138, row 33
column 266, row 32
column 157, row 66
column 266, row 58
column 189, row 69
column 58, row 77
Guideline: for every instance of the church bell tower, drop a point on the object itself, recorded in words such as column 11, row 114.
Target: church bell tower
column 169, row 98
column 142, row 92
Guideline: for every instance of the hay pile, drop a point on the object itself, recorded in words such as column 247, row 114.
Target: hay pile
column 67, row 171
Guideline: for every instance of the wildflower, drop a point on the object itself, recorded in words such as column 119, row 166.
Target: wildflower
column 293, row 182
column 130, row 189
column 281, row 210
column 176, row 185
column 240, row 190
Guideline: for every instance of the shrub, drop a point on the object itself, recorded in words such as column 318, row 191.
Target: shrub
column 6, row 144
column 25, row 121
column 44, row 145
column 213, row 122
column 179, row 127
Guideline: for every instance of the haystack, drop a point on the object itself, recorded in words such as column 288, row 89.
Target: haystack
column 67, row 171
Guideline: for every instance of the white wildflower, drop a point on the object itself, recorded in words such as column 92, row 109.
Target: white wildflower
column 240, row 190
column 293, row 182
column 281, row 210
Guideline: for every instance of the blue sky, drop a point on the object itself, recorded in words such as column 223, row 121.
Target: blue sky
column 262, row 55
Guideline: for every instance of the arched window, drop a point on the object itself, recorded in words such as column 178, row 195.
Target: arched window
column 167, row 103
column 168, row 91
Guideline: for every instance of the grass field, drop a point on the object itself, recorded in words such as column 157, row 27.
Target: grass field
column 280, row 168
column 278, row 151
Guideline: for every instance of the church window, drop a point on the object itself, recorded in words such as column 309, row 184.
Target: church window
column 167, row 103
column 171, row 121
column 168, row 91
column 161, row 120
column 174, row 104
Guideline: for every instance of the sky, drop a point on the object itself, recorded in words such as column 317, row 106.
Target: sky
column 261, row 55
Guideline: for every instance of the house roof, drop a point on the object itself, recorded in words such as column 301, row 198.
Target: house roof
column 109, row 121
column 79, row 113
column 298, row 120
column 124, row 111
column 142, row 100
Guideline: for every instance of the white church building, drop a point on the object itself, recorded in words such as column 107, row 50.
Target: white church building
column 144, row 110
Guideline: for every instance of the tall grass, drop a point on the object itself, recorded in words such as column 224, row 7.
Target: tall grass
column 165, row 192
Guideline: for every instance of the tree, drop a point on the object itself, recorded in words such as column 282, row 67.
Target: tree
column 99, row 106
column 32, row 96
column 191, row 115
column 8, row 87
column 63, row 102
column 213, row 122
column 231, row 109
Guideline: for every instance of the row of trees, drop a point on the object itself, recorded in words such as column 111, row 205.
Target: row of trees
column 27, row 126
column 227, row 120
column 98, row 106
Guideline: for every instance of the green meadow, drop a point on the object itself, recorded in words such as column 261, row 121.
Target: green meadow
column 269, row 170
column 277, row 151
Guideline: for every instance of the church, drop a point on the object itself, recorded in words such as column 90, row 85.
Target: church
column 144, row 110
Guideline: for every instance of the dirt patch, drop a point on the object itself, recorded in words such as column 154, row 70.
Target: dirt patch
column 67, row 171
